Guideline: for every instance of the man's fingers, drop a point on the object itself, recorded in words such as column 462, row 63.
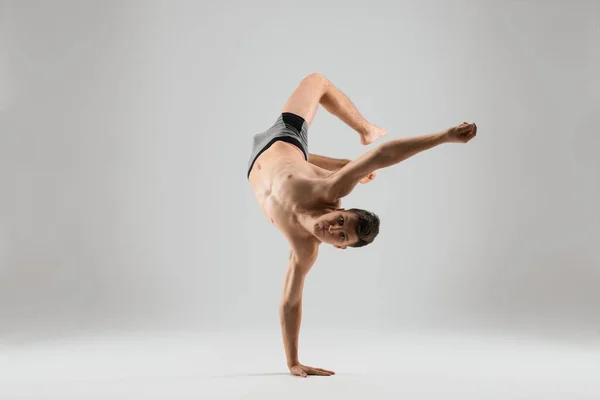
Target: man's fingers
column 303, row 371
column 313, row 371
column 465, row 131
column 326, row 370
column 298, row 372
column 471, row 129
column 316, row 371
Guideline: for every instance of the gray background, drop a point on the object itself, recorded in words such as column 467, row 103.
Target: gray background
column 126, row 130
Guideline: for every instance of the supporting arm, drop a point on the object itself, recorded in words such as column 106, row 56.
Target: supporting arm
column 290, row 311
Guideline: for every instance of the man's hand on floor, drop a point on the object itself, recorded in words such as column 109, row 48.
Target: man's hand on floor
column 304, row 371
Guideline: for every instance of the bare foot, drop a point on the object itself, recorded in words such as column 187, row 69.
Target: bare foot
column 373, row 133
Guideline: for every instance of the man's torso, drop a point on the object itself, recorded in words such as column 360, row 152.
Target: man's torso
column 286, row 187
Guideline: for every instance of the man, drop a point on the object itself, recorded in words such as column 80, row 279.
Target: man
column 300, row 192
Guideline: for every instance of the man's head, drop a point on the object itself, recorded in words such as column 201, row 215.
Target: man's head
column 342, row 228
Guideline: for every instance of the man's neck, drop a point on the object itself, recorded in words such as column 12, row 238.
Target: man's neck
column 308, row 219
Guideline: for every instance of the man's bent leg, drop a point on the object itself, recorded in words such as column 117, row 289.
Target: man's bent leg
column 328, row 163
column 315, row 89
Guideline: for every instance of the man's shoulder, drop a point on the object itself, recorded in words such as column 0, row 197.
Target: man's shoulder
column 322, row 192
column 318, row 194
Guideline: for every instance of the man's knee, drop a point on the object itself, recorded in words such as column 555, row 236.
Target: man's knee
column 317, row 79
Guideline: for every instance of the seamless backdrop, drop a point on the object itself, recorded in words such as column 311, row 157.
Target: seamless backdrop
column 126, row 129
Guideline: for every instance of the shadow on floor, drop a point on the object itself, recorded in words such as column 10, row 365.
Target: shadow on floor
column 242, row 375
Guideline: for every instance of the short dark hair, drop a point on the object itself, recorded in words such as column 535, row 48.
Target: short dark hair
column 367, row 226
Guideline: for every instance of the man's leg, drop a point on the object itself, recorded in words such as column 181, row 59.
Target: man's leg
column 328, row 163
column 315, row 89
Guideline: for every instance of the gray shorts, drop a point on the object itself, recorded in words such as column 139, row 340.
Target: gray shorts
column 289, row 128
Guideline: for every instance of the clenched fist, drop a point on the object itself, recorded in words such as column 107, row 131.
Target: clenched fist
column 461, row 133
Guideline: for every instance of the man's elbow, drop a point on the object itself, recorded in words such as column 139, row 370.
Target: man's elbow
column 382, row 156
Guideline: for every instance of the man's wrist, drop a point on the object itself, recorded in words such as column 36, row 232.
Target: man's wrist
column 443, row 136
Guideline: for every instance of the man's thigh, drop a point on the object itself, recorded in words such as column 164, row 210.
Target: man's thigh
column 307, row 96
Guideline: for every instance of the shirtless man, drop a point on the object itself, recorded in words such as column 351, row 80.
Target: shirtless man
column 300, row 192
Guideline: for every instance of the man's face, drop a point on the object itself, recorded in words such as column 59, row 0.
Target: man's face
column 337, row 228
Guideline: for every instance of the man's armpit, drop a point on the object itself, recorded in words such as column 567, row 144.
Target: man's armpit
column 304, row 255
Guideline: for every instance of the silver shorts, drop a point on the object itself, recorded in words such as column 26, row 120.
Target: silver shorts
column 289, row 128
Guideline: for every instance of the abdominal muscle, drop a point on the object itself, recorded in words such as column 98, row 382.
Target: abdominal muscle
column 283, row 183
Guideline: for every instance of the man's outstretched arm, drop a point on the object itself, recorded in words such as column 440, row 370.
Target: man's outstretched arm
column 342, row 182
column 290, row 313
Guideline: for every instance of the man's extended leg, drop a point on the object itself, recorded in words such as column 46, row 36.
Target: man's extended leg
column 315, row 89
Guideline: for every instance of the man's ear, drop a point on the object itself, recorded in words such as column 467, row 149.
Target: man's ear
column 340, row 209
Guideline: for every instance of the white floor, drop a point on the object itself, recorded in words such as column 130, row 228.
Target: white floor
column 251, row 366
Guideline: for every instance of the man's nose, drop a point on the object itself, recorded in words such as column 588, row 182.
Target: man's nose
column 333, row 228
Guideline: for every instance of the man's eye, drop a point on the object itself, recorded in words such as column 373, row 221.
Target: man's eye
column 343, row 236
column 341, row 220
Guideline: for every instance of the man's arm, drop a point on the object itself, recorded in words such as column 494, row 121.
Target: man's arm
column 290, row 311
column 342, row 182
column 330, row 164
